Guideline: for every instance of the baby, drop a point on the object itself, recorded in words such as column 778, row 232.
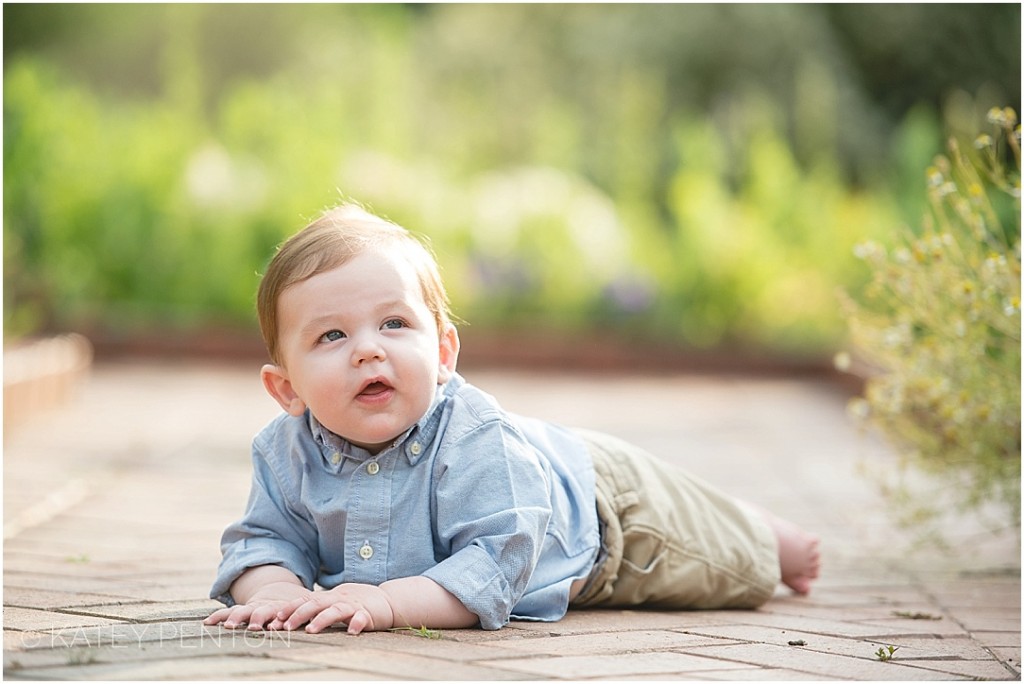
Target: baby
column 414, row 500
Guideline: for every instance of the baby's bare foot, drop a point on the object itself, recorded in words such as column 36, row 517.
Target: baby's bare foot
column 799, row 558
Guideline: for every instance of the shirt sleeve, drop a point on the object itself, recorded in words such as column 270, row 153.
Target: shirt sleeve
column 271, row 532
column 492, row 510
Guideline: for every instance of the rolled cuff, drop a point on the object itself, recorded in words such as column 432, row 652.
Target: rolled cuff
column 472, row 576
column 253, row 552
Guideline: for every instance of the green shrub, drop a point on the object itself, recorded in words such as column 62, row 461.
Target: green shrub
column 941, row 318
column 126, row 214
column 756, row 258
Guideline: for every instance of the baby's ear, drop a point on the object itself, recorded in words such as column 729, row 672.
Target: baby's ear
column 275, row 380
column 448, row 356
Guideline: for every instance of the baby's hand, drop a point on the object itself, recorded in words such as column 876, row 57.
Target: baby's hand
column 257, row 615
column 261, row 611
column 362, row 607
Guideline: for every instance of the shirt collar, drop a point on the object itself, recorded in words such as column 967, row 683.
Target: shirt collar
column 413, row 442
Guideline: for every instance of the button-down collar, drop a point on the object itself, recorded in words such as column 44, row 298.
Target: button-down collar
column 412, row 442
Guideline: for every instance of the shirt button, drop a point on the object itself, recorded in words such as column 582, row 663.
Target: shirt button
column 365, row 552
column 372, row 468
column 335, row 459
column 415, row 448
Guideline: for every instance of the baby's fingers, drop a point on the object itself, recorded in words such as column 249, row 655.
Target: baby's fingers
column 262, row 616
column 290, row 607
column 231, row 617
column 331, row 615
column 218, row 616
column 300, row 614
column 360, row 621
column 357, row 619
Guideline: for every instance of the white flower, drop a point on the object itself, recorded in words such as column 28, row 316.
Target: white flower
column 897, row 335
column 996, row 116
column 858, row 409
column 841, row 361
column 869, row 250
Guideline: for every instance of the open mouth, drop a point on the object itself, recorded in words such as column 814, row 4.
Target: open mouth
column 375, row 388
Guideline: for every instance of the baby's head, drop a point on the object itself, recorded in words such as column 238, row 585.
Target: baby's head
column 328, row 242
column 356, row 322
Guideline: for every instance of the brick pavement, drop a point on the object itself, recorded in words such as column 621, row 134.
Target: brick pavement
column 113, row 507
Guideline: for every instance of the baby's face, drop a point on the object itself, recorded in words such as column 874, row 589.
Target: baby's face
column 361, row 349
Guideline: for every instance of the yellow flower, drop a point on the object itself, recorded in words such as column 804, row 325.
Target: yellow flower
column 1006, row 116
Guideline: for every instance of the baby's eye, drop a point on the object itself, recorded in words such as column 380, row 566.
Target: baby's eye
column 393, row 324
column 332, row 336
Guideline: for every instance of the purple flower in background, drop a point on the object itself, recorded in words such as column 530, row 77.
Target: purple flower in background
column 630, row 293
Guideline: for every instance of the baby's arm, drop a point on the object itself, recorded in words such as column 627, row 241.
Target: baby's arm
column 405, row 602
column 259, row 595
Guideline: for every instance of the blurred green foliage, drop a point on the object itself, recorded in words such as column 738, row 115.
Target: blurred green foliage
column 694, row 172
column 941, row 319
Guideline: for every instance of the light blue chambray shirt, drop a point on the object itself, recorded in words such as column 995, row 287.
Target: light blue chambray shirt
column 496, row 508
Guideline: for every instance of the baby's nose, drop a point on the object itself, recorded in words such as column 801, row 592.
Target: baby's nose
column 367, row 348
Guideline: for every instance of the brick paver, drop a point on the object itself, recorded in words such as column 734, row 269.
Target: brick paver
column 114, row 504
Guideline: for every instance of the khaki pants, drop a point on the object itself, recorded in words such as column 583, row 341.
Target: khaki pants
column 670, row 540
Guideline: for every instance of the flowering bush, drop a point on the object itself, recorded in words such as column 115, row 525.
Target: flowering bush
column 941, row 319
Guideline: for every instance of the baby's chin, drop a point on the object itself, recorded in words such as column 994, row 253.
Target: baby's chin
column 375, row 430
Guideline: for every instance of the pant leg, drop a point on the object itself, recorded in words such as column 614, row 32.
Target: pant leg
column 672, row 540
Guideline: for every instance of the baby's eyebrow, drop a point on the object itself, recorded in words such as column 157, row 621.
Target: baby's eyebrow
column 392, row 305
column 318, row 324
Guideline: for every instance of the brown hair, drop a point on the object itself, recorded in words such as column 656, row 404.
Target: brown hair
column 328, row 242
